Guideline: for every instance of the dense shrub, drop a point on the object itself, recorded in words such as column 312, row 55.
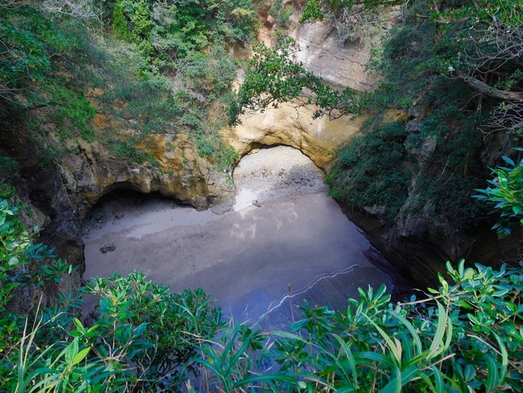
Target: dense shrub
column 463, row 337
column 141, row 338
column 142, row 85
column 374, row 169
column 504, row 194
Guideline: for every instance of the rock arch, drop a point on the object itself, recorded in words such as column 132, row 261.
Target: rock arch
column 293, row 126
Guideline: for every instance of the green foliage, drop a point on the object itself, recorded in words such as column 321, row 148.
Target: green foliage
column 14, row 241
column 142, row 337
column 73, row 113
column 312, row 11
column 34, row 42
column 154, row 104
column 22, row 264
column 375, row 169
column 505, row 196
column 192, row 100
column 467, row 42
column 273, row 78
column 281, row 14
column 29, row 40
column 127, row 150
column 449, row 145
column 455, row 340
column 63, row 368
column 136, row 96
column 22, row 260
column 226, row 158
column 444, row 142
column 166, row 32
column 140, row 20
column 406, row 52
column 120, row 27
column 150, row 334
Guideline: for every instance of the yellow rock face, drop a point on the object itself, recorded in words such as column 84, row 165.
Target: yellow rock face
column 293, row 126
column 182, row 175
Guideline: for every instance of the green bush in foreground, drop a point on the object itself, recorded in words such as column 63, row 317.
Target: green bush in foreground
column 464, row 337
column 142, row 337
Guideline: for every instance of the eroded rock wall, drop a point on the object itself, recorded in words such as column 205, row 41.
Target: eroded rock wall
column 181, row 174
column 340, row 63
column 422, row 238
column 292, row 125
column 57, row 194
column 418, row 246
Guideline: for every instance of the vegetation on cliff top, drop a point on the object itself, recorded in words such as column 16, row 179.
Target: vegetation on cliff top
column 140, row 67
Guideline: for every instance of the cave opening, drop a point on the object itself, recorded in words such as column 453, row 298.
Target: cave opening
column 116, row 203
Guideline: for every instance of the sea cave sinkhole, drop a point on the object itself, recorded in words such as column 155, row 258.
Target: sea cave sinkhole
column 284, row 236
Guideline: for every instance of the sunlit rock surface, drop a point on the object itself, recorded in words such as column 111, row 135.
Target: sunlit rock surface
column 182, row 174
column 293, row 126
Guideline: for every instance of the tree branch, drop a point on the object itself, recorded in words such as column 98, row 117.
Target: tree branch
column 487, row 90
column 442, row 20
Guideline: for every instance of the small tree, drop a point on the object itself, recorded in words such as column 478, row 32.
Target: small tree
column 272, row 78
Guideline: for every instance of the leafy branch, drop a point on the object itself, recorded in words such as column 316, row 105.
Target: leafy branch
column 272, row 78
column 505, row 193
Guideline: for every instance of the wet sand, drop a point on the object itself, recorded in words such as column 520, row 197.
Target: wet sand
column 292, row 234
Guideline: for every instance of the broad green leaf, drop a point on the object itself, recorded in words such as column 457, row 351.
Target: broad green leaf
column 508, row 161
column 377, row 357
column 391, row 344
column 504, row 358
column 410, row 328
column 492, row 374
column 409, row 374
column 269, row 379
column 140, row 329
column 80, row 356
column 344, row 348
column 77, row 323
column 71, row 351
column 437, row 347
column 440, row 386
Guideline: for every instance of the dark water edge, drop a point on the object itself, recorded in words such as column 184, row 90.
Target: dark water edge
column 334, row 290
